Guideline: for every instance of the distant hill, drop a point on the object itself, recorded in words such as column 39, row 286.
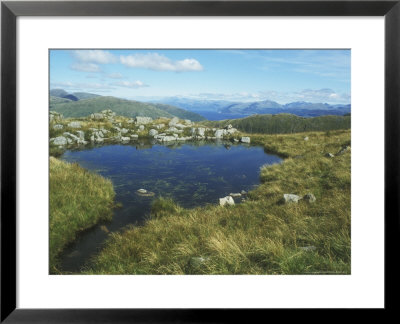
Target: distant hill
column 178, row 112
column 222, row 109
column 285, row 123
column 58, row 100
column 85, row 95
column 58, row 93
column 127, row 108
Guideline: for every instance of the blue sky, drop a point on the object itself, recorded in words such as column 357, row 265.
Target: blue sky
column 236, row 75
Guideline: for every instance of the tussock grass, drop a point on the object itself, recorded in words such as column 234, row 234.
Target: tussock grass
column 78, row 200
column 259, row 236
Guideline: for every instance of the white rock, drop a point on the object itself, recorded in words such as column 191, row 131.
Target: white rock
column 75, row 124
column 153, row 132
column 143, row 120
column 245, row 139
column 228, row 200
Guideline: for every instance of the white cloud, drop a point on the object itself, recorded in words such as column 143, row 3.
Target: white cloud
column 157, row 62
column 85, row 67
column 94, row 56
column 114, row 75
column 130, row 84
column 81, row 86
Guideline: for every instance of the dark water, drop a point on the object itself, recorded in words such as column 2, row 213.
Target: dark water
column 192, row 174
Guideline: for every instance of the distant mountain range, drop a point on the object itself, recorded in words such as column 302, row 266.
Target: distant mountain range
column 82, row 104
column 220, row 109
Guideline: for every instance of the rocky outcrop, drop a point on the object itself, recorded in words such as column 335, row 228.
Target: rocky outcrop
column 123, row 130
column 143, row 120
column 75, row 124
column 245, row 139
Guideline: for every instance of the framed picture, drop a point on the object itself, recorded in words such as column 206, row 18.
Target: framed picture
column 164, row 84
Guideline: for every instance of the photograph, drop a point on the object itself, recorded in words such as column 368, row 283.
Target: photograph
column 199, row 161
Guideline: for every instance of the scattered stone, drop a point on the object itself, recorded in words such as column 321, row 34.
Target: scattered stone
column 153, row 132
column 344, row 150
column 201, row 131
column 245, row 139
column 306, row 138
column 134, row 137
column 235, row 194
column 173, row 121
column 75, row 124
column 228, row 200
column 329, row 155
column 125, row 139
column 196, row 262
column 124, row 130
column 219, row 133
column 60, row 140
column 97, row 116
column 144, row 193
column 143, row 120
column 58, row 126
column 159, row 126
column 228, row 126
column 236, row 140
column 310, row 198
column 141, row 127
column 81, row 135
column 55, row 116
column 291, row 198
column 243, row 192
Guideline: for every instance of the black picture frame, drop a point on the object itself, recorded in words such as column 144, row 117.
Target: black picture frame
column 10, row 10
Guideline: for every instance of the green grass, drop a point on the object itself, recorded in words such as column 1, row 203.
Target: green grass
column 284, row 123
column 259, row 236
column 78, row 200
column 122, row 107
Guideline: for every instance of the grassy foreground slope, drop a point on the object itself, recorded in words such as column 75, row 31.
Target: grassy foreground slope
column 259, row 236
column 78, row 200
column 285, row 123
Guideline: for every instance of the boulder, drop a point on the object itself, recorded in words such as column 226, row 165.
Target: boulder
column 143, row 120
column 134, row 137
column 141, row 127
column 309, row 197
column 60, row 140
column 97, row 116
column 235, row 194
column 75, row 124
column 54, row 116
column 219, row 133
column 81, row 134
column 228, row 200
column 159, row 126
column 329, row 155
column 306, row 138
column 291, row 198
column 124, row 130
column 142, row 191
column 245, row 139
column 228, row 127
column 125, row 139
column 201, row 131
column 173, row 121
column 153, row 132
column 308, row 248
column 58, row 126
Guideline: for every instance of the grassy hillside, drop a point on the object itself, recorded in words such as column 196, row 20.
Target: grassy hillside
column 57, row 100
column 180, row 113
column 259, row 236
column 285, row 123
column 127, row 108
column 85, row 95
column 78, row 200
column 122, row 107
